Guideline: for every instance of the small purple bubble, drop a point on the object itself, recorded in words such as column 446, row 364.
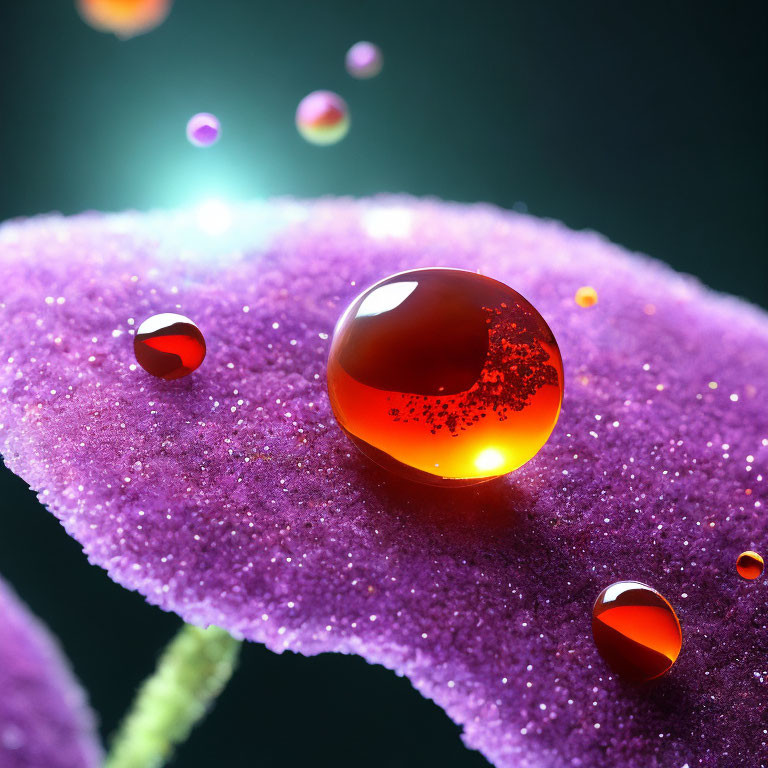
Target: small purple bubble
column 364, row 60
column 203, row 129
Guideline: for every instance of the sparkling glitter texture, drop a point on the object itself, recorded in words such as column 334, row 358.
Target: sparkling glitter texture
column 45, row 721
column 233, row 498
column 169, row 346
column 203, row 129
column 636, row 630
column 322, row 117
column 445, row 376
column 749, row 565
column 124, row 18
column 364, row 60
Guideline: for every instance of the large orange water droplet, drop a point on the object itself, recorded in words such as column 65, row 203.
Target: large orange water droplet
column 445, row 376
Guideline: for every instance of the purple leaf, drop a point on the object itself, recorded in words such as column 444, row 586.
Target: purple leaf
column 44, row 717
column 232, row 497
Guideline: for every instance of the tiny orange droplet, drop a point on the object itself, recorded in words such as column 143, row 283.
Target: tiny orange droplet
column 586, row 296
column 749, row 565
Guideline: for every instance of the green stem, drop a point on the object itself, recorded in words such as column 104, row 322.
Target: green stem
column 191, row 673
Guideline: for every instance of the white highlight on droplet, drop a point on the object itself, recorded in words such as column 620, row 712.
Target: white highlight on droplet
column 386, row 298
column 163, row 320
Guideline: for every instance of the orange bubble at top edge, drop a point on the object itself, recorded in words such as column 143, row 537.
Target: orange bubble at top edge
column 124, row 18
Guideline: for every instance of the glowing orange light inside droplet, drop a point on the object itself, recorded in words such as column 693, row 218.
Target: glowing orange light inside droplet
column 124, row 18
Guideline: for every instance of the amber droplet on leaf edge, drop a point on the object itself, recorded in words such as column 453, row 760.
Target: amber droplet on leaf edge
column 169, row 346
column 749, row 565
column 636, row 631
column 445, row 376
column 586, row 296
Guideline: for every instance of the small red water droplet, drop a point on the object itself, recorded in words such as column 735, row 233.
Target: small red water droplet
column 169, row 346
column 636, row 630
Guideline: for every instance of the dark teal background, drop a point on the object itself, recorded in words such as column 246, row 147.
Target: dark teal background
column 643, row 120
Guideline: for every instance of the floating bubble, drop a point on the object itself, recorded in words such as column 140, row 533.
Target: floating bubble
column 445, row 376
column 364, row 60
column 203, row 129
column 322, row 117
column 124, row 18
